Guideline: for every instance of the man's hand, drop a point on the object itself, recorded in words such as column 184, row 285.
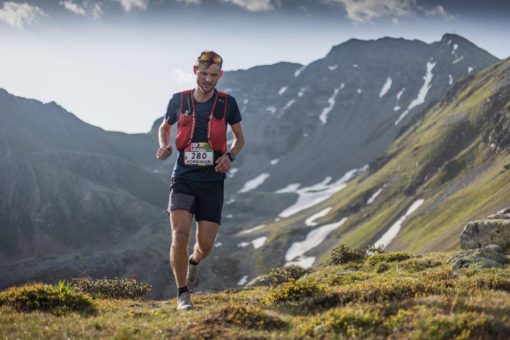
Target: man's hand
column 164, row 152
column 223, row 164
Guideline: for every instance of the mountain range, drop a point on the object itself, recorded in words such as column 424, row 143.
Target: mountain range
column 402, row 124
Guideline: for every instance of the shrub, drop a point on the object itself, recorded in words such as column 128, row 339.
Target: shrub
column 294, row 291
column 418, row 265
column 247, row 317
column 111, row 288
column 343, row 254
column 43, row 297
column 341, row 321
column 387, row 257
column 285, row 274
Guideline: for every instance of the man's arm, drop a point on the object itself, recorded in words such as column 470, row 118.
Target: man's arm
column 224, row 163
column 165, row 150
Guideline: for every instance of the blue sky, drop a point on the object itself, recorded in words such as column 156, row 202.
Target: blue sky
column 115, row 63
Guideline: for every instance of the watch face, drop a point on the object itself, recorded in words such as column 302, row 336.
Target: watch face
column 231, row 156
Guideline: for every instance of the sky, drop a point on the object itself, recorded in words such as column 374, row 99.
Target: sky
column 116, row 63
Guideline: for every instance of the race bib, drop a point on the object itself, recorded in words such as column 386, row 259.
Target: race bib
column 199, row 154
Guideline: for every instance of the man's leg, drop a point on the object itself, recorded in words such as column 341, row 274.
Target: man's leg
column 180, row 220
column 206, row 235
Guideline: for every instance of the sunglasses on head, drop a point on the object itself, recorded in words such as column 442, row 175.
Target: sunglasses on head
column 211, row 58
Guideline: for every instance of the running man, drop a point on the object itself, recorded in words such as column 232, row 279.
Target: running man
column 196, row 189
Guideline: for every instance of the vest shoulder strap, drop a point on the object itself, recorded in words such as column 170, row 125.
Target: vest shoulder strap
column 221, row 105
column 185, row 101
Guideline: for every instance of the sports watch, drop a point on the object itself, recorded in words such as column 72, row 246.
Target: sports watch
column 231, row 156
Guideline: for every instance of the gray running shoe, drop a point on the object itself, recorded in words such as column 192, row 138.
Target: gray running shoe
column 193, row 278
column 184, row 301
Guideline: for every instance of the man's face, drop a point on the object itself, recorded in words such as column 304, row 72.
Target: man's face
column 207, row 77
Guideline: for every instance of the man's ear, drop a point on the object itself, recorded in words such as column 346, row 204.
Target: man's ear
column 195, row 69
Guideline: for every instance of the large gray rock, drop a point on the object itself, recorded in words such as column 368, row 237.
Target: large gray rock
column 490, row 256
column 477, row 234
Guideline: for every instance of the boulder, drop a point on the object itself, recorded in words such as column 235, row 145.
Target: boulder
column 499, row 216
column 504, row 211
column 490, row 256
column 477, row 234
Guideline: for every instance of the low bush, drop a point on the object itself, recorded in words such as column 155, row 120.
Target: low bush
column 343, row 254
column 43, row 297
column 111, row 288
column 387, row 257
column 286, row 274
column 246, row 317
column 294, row 291
column 342, row 322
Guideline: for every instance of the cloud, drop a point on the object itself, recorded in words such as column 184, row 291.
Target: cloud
column 184, row 78
column 19, row 14
column 72, row 7
column 253, row 5
column 127, row 5
column 366, row 10
column 87, row 8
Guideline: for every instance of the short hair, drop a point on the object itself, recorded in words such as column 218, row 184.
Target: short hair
column 207, row 58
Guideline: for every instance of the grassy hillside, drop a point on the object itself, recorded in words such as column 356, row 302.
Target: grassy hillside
column 456, row 158
column 383, row 295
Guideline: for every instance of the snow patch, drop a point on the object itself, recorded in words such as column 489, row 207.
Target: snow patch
column 254, row 183
column 400, row 93
column 386, row 87
column 450, row 79
column 359, row 91
column 396, row 108
column 355, row 65
column 245, row 101
column 455, row 47
column 274, row 161
column 298, row 71
column 232, row 172
column 259, row 242
column 312, row 195
column 282, row 90
column 324, row 114
column 310, row 221
column 312, row 240
column 243, row 244
column 218, row 244
column 301, row 92
column 470, row 69
column 374, row 196
column 389, row 235
column 457, row 60
column 271, row 109
column 420, row 98
column 289, row 104
column 251, row 230
column 332, row 67
column 243, row 281
column 303, row 261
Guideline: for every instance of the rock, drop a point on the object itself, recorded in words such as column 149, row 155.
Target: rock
column 477, row 234
column 490, row 256
column 262, row 280
column 499, row 216
column 504, row 211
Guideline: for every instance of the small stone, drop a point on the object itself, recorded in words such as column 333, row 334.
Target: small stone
column 262, row 280
column 504, row 211
column 499, row 216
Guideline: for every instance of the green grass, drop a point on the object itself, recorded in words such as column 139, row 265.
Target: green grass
column 417, row 297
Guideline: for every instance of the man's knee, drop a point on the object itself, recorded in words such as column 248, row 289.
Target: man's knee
column 180, row 237
column 205, row 247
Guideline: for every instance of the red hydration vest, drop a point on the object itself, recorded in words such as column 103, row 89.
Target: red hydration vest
column 216, row 129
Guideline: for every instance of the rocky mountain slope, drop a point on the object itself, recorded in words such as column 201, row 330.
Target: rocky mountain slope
column 451, row 166
column 79, row 200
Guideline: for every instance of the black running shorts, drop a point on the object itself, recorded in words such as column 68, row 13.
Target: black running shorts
column 204, row 199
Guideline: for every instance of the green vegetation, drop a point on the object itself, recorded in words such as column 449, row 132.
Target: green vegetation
column 284, row 274
column 416, row 297
column 111, row 288
column 41, row 297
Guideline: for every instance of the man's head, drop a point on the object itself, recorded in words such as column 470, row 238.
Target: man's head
column 208, row 70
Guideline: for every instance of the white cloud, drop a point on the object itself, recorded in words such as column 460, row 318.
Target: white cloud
column 97, row 10
column 366, row 10
column 184, row 78
column 253, row 5
column 127, row 5
column 72, row 7
column 19, row 14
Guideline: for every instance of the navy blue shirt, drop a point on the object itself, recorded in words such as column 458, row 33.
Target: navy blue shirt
column 202, row 112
